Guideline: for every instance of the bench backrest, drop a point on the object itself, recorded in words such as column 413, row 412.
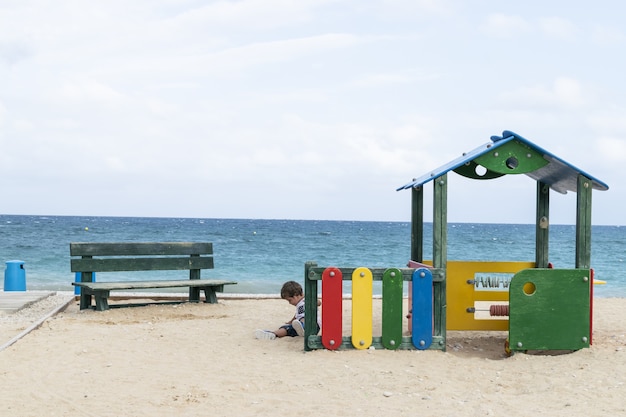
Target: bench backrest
column 141, row 256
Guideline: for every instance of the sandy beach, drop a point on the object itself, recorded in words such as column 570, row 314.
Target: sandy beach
column 202, row 359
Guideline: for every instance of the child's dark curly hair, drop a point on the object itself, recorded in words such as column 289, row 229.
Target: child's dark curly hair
column 291, row 289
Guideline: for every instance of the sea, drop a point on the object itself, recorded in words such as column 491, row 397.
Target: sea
column 262, row 254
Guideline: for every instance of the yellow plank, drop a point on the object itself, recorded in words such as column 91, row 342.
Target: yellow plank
column 362, row 291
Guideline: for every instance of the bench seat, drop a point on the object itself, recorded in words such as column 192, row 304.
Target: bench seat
column 101, row 290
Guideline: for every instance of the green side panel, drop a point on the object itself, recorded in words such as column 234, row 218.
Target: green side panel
column 513, row 157
column 392, row 308
column 549, row 309
column 469, row 170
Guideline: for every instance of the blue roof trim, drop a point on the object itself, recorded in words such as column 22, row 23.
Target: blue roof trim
column 560, row 175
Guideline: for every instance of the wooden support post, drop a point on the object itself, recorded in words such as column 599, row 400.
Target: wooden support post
column 310, row 304
column 542, row 226
column 417, row 224
column 440, row 252
column 583, row 223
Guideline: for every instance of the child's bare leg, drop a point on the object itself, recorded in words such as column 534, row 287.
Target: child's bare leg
column 282, row 332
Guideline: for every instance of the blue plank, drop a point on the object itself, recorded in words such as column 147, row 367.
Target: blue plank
column 422, row 309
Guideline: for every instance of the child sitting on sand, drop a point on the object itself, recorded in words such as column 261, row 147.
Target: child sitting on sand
column 292, row 292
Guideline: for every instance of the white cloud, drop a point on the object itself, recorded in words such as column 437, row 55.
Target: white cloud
column 564, row 92
column 3, row 112
column 568, row 91
column 505, row 26
column 390, row 78
column 413, row 9
column 91, row 91
column 609, row 119
column 253, row 14
column 275, row 51
column 558, row 27
column 612, row 149
column 12, row 52
column 608, row 36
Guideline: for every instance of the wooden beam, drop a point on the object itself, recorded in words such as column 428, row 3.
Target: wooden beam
column 542, row 226
column 583, row 223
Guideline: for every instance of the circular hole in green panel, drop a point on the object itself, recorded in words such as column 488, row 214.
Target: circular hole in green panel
column 529, row 288
column 480, row 170
column 512, row 163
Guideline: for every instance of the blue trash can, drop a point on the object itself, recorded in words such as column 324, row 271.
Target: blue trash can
column 77, row 278
column 15, row 276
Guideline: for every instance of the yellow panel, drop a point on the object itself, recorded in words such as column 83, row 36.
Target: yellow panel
column 490, row 283
column 362, row 287
column 460, row 295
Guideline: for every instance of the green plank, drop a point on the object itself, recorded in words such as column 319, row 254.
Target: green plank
column 140, row 248
column 392, row 308
column 140, row 264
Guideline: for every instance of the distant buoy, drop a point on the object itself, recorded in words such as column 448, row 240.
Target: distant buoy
column 254, row 233
column 86, row 229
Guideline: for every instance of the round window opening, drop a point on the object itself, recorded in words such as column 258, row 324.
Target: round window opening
column 480, row 170
column 529, row 288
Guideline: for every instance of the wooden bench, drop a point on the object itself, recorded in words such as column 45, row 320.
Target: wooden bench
column 143, row 256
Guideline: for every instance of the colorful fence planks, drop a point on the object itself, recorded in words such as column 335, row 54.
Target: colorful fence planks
column 362, row 320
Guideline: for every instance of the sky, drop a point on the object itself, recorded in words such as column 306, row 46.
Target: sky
column 303, row 109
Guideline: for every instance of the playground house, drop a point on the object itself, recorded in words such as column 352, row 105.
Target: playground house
column 543, row 308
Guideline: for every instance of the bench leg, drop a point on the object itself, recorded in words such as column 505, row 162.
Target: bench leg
column 85, row 299
column 194, row 294
column 102, row 302
column 210, row 295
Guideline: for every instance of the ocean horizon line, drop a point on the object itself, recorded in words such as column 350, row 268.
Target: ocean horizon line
column 87, row 216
